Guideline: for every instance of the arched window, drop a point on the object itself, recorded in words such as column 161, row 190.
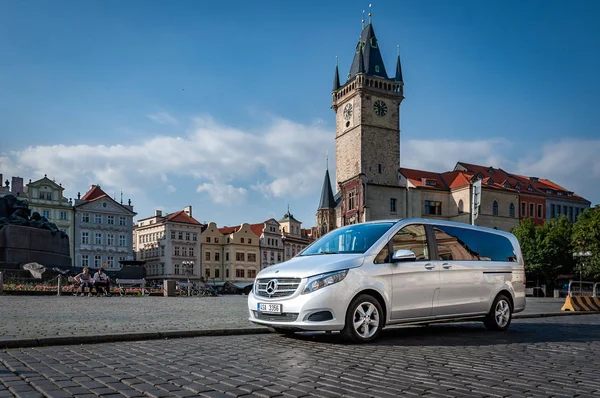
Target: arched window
column 495, row 208
column 511, row 210
column 461, row 206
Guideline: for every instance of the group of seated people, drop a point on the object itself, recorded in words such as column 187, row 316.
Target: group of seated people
column 100, row 281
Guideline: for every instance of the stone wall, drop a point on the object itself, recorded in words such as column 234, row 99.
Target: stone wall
column 23, row 245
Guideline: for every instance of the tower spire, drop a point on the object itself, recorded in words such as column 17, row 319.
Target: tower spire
column 398, row 77
column 327, row 198
column 361, row 60
column 363, row 20
column 370, row 15
column 336, row 77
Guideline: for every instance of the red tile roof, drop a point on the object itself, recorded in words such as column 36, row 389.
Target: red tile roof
column 257, row 228
column 228, row 230
column 420, row 178
column 182, row 217
column 94, row 193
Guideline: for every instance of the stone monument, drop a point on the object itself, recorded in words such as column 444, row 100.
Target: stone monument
column 28, row 238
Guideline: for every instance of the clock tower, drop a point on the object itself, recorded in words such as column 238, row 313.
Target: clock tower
column 367, row 109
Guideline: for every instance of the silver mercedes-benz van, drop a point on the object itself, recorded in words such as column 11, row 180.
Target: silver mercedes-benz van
column 359, row 278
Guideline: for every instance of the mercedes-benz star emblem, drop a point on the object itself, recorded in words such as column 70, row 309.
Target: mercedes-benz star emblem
column 272, row 286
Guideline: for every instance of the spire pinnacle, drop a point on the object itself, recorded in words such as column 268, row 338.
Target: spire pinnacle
column 336, row 76
column 363, row 19
column 398, row 77
column 327, row 160
column 370, row 15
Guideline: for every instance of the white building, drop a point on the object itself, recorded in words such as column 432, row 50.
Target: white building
column 170, row 245
column 103, row 231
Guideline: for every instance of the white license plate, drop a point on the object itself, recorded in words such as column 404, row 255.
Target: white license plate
column 269, row 308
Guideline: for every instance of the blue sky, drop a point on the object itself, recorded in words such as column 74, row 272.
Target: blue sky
column 226, row 105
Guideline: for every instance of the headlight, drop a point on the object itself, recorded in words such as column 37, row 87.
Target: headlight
column 320, row 281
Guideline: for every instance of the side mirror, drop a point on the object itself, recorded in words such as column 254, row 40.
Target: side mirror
column 403, row 255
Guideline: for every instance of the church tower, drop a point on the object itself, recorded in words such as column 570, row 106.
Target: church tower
column 326, row 211
column 367, row 111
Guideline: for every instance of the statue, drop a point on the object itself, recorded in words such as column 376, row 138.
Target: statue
column 17, row 212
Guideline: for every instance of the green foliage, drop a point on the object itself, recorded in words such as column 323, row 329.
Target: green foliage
column 586, row 237
column 547, row 249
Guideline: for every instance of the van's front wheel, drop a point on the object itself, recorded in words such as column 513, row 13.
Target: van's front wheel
column 364, row 319
column 500, row 315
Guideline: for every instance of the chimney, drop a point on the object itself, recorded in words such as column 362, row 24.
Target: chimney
column 17, row 185
column 158, row 213
column 188, row 210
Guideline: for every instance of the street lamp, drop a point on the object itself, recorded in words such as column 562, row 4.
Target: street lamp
column 188, row 269
column 581, row 255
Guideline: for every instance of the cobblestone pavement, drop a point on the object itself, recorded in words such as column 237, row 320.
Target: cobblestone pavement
column 542, row 357
column 53, row 316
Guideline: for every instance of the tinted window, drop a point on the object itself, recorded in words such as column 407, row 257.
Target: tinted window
column 455, row 243
column 494, row 247
column 412, row 237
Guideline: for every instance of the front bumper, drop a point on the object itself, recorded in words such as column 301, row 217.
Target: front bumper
column 298, row 308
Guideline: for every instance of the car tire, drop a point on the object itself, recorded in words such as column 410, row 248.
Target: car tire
column 500, row 315
column 364, row 320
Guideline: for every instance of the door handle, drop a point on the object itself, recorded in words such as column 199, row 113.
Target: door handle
column 429, row 266
column 446, row 266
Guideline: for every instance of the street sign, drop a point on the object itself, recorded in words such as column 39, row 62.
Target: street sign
column 475, row 201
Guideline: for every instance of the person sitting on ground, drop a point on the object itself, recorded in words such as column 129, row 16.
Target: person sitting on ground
column 85, row 280
column 102, row 281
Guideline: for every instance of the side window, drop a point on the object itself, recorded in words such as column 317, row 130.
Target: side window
column 412, row 237
column 456, row 243
column 383, row 256
column 494, row 247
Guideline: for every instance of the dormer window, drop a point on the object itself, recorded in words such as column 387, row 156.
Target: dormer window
column 480, row 176
column 507, row 185
column 549, row 191
column 517, row 186
column 431, row 183
column 533, row 179
column 491, row 170
column 530, row 188
column 559, row 193
column 490, row 182
column 374, row 44
column 570, row 194
column 376, row 68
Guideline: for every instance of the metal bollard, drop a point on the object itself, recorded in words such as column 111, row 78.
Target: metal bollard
column 59, row 286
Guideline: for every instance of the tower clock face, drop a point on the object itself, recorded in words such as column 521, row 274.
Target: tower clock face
column 380, row 108
column 348, row 111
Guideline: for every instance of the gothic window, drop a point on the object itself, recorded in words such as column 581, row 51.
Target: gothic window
column 511, row 210
column 461, row 206
column 351, row 200
column 495, row 208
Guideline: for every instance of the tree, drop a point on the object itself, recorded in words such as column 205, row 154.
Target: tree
column 547, row 249
column 586, row 237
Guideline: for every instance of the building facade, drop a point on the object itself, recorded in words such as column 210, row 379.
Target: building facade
column 294, row 237
column 271, row 242
column 170, row 245
column 370, row 185
column 46, row 198
column 241, row 250
column 103, row 231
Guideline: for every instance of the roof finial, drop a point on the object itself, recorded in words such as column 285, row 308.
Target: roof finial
column 363, row 19
column 288, row 208
column 398, row 47
column 327, row 160
column 121, row 195
column 370, row 14
column 336, row 61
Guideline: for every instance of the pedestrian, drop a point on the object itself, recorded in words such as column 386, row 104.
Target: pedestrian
column 85, row 280
column 102, row 281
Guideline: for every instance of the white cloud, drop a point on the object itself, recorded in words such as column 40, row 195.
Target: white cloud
column 573, row 164
column 285, row 157
column 171, row 188
column 163, row 118
column 442, row 155
column 223, row 193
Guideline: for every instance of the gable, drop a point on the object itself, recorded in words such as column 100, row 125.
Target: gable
column 104, row 205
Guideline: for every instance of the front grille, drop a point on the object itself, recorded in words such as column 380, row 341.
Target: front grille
column 285, row 287
column 284, row 317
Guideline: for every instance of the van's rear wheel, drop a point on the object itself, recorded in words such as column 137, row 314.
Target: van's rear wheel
column 364, row 319
column 500, row 314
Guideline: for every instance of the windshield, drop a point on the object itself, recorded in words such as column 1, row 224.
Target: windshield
column 351, row 239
